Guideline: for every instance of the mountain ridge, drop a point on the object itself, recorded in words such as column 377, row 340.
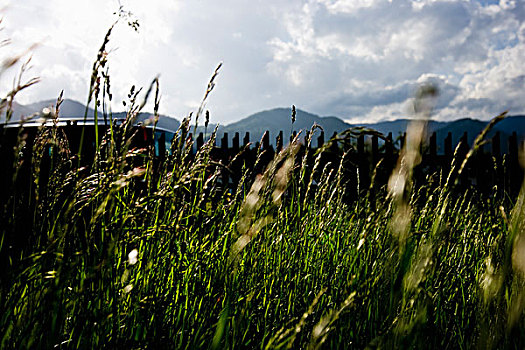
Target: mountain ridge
column 74, row 110
column 279, row 119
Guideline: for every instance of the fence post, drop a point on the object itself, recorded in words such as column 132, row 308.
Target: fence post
column 279, row 142
column 496, row 146
column 433, row 146
column 464, row 148
column 320, row 140
column 497, row 173
column 246, row 139
column 361, row 145
column 447, row 158
column 513, row 146
column 448, row 146
column 389, row 147
column 224, row 142
column 200, row 141
column 235, row 143
column 307, row 137
column 514, row 171
column 266, row 140
column 225, row 156
column 334, row 146
column 237, row 164
column 462, row 153
column 362, row 164
column 375, row 150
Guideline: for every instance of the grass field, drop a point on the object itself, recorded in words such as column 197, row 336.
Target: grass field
column 124, row 255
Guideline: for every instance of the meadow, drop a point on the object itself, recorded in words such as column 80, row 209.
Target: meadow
column 128, row 253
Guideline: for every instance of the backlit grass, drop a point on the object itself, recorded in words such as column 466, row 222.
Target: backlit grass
column 123, row 254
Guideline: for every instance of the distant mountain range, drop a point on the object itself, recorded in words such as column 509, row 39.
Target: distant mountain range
column 73, row 110
column 278, row 119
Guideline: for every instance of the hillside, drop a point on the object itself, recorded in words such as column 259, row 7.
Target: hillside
column 73, row 110
column 473, row 127
column 278, row 119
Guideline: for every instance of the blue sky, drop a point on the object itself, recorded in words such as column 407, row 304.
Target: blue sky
column 360, row 60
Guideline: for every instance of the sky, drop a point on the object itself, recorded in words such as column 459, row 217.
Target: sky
column 360, row 60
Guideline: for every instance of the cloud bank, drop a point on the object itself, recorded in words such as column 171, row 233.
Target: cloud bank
column 360, row 60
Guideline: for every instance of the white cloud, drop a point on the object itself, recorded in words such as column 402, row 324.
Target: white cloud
column 472, row 51
column 358, row 59
column 347, row 6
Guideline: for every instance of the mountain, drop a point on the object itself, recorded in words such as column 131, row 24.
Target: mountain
column 18, row 112
column 458, row 127
column 68, row 109
column 473, row 127
column 399, row 126
column 511, row 124
column 278, row 119
column 165, row 122
column 73, row 110
column 275, row 120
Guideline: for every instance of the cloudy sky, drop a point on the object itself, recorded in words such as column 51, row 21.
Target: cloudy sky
column 360, row 60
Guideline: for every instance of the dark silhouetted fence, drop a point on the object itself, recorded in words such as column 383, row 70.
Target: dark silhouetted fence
column 488, row 170
column 367, row 156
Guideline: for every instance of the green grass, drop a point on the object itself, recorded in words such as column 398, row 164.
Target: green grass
column 120, row 255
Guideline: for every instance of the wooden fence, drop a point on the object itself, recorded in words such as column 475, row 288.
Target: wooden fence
column 489, row 170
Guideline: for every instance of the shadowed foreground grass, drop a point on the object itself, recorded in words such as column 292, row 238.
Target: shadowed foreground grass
column 117, row 256
column 122, row 254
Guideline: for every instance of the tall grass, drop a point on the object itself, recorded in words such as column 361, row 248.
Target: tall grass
column 126, row 254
